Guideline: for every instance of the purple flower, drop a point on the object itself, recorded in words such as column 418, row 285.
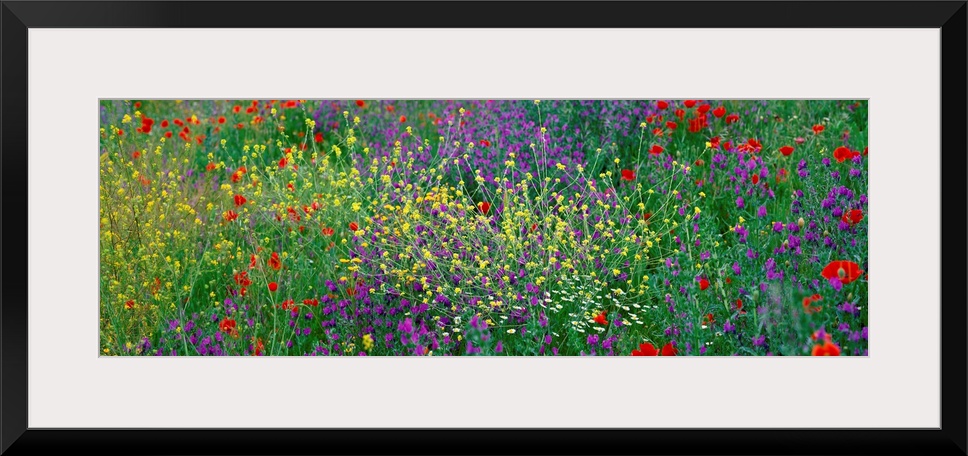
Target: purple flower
column 848, row 307
column 836, row 283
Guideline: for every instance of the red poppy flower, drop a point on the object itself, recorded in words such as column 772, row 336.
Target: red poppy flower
column 719, row 112
column 354, row 226
column 657, row 131
column 227, row 325
column 698, row 123
column 282, row 162
column 853, row 216
column 360, row 103
column 311, row 302
column 328, row 231
column 846, row 271
column 258, row 347
column 842, row 153
column 274, row 261
column 129, row 304
column 242, row 278
column 714, row 142
column 137, row 104
column 484, row 206
column 600, row 318
column 699, row 162
column 817, row 129
column 681, row 114
column 786, row 150
column 755, row 178
column 239, row 200
column 656, row 149
column 671, row 125
column 239, row 126
column 689, row 103
column 807, row 301
column 252, row 260
column 230, row 216
column 704, row 108
column 645, row 349
column 827, row 349
column 628, row 174
column 669, row 350
column 662, row 105
column 250, row 110
column 273, row 286
column 732, row 118
column 865, row 151
column 703, row 284
column 403, row 119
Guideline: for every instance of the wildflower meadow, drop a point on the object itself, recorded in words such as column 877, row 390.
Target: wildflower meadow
column 483, row 227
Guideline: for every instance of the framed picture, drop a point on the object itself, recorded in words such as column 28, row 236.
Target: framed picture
column 293, row 147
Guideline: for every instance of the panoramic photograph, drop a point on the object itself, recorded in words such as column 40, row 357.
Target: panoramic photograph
column 415, row 227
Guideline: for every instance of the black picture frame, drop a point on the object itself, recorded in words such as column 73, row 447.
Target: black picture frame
column 18, row 16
